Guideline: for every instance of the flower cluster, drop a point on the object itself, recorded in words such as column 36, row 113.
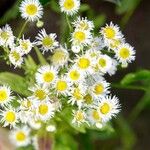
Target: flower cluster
column 74, row 77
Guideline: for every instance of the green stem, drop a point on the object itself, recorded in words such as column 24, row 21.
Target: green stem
column 22, row 29
column 68, row 22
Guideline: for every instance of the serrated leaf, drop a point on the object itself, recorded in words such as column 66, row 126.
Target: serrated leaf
column 16, row 82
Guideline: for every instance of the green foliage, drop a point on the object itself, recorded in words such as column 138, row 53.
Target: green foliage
column 16, row 82
column 44, row 2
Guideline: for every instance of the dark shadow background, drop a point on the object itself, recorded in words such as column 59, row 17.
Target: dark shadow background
column 137, row 33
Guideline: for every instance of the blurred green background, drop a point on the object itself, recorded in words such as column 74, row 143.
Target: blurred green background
column 132, row 128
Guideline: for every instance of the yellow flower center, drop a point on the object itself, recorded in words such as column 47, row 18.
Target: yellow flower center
column 61, row 85
column 58, row 57
column 40, row 94
column 48, row 77
column 24, row 45
column 79, row 116
column 69, row 4
column 83, row 63
column 84, row 25
column 77, row 94
column 4, row 35
column 3, row 95
column 109, row 32
column 20, row 136
column 31, row 9
column 102, row 62
column 43, row 109
column 115, row 43
column 80, row 36
column 124, row 53
column 105, row 108
column 10, row 117
column 98, row 89
column 47, row 41
column 26, row 103
column 95, row 115
column 74, row 75
column 88, row 99
column 15, row 55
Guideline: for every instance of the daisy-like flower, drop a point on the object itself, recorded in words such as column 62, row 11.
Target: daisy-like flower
column 25, row 45
column 111, row 32
column 81, row 37
column 75, row 75
column 76, row 96
column 46, row 75
column 20, row 136
column 70, row 7
column 104, row 63
column 46, row 41
column 108, row 107
column 79, row 117
column 6, row 36
column 94, row 117
column 45, row 111
column 83, row 24
column 9, row 117
column 125, row 54
column 113, row 68
column 60, row 57
column 16, row 56
column 62, row 85
column 26, row 104
column 40, row 93
column 5, row 95
column 76, row 48
column 31, row 10
column 88, row 99
column 100, row 88
column 83, row 63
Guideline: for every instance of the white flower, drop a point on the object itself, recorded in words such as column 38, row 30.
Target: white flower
column 62, row 85
column 9, row 117
column 108, row 107
column 47, row 41
column 25, row 45
column 16, row 56
column 46, row 75
column 40, row 93
column 100, row 88
column 60, row 57
column 20, row 136
column 125, row 54
column 81, row 37
column 104, row 63
column 50, row 128
column 44, row 111
column 94, row 116
column 6, row 36
column 111, row 32
column 76, row 96
column 70, row 7
column 83, row 24
column 31, row 10
column 79, row 117
column 113, row 68
column 76, row 48
column 5, row 95
column 75, row 75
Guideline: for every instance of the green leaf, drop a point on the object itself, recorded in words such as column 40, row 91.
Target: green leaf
column 134, row 77
column 117, row 2
column 127, row 5
column 40, row 56
column 99, row 20
column 84, row 7
column 44, row 2
column 16, row 82
column 54, row 6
